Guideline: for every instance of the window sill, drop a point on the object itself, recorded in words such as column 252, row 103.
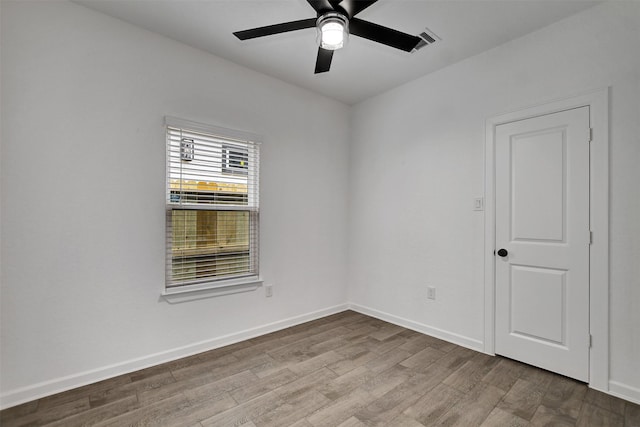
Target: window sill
column 195, row 292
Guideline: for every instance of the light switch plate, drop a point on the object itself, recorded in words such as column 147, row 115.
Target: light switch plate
column 478, row 204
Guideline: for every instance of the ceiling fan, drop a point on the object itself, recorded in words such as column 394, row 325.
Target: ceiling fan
column 335, row 20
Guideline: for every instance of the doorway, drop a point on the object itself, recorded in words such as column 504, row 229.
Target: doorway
column 542, row 236
column 546, row 292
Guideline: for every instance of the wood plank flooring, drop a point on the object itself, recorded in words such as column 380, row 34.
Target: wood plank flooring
column 346, row 370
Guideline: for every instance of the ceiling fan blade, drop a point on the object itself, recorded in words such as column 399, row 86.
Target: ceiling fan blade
column 353, row 7
column 384, row 35
column 320, row 5
column 323, row 62
column 276, row 29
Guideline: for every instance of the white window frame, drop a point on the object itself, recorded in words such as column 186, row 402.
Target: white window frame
column 216, row 286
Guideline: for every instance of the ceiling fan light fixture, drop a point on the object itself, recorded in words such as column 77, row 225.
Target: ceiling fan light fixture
column 334, row 20
column 333, row 30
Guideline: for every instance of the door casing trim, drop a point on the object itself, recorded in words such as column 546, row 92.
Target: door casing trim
column 598, row 103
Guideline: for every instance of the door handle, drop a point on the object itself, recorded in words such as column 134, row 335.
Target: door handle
column 503, row 252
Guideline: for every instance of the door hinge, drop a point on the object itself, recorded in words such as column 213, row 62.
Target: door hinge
column 590, row 134
column 590, row 237
column 590, row 340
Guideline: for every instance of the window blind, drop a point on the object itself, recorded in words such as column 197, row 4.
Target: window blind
column 212, row 204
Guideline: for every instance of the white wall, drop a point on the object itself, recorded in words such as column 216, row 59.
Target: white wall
column 417, row 163
column 82, row 185
column 83, row 170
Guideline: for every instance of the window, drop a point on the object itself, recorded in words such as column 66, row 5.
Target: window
column 235, row 160
column 212, row 206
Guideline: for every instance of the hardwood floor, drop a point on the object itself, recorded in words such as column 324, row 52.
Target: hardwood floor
column 346, row 370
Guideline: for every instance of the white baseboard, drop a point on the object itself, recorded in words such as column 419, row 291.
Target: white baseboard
column 47, row 388
column 624, row 391
column 451, row 337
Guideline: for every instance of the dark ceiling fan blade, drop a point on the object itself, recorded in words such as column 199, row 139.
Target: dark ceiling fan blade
column 276, row 29
column 323, row 62
column 384, row 35
column 353, row 7
column 321, row 5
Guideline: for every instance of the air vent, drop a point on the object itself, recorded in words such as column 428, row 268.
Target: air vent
column 427, row 37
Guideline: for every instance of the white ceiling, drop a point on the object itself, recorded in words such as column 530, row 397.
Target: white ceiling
column 363, row 68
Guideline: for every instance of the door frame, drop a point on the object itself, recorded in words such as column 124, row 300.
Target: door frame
column 598, row 103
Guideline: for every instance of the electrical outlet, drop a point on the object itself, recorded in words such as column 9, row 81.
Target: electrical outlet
column 431, row 292
column 268, row 290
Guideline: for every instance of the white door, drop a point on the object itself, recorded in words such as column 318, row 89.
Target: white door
column 542, row 241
